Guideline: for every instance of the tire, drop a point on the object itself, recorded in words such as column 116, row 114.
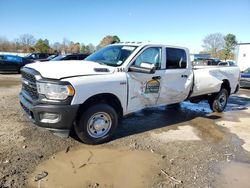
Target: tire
column 97, row 124
column 218, row 102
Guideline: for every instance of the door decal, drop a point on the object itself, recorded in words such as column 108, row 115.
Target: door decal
column 152, row 86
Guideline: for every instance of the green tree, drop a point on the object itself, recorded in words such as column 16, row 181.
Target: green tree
column 87, row 49
column 42, row 46
column 229, row 47
column 109, row 39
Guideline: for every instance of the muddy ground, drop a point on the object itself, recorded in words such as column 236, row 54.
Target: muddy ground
column 186, row 146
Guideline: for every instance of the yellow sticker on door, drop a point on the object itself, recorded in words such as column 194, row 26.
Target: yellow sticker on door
column 152, row 86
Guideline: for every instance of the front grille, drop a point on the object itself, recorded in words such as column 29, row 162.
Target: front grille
column 28, row 76
column 29, row 85
column 32, row 92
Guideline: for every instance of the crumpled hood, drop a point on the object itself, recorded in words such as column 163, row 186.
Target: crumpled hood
column 62, row 69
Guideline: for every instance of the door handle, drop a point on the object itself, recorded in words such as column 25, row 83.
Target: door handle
column 156, row 77
column 184, row 76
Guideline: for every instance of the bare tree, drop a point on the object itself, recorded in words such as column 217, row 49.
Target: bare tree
column 4, row 44
column 57, row 47
column 213, row 43
column 65, row 45
column 26, row 41
column 92, row 48
column 76, row 48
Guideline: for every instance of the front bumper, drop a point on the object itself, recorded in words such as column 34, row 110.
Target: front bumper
column 65, row 114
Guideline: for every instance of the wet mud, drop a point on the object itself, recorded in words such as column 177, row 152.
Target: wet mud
column 233, row 175
column 89, row 167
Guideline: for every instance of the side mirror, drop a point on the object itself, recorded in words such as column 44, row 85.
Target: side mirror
column 144, row 67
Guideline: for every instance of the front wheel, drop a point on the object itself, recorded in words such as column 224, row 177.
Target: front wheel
column 218, row 102
column 97, row 124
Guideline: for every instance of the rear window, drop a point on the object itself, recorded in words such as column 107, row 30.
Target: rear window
column 82, row 57
column 176, row 58
column 71, row 57
column 43, row 56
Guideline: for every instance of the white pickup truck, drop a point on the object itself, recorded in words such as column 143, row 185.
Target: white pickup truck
column 90, row 96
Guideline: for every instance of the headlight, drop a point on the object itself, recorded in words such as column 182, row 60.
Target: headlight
column 55, row 91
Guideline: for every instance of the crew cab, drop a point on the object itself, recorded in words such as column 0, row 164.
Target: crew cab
column 90, row 96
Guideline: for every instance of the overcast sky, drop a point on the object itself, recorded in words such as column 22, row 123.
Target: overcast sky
column 177, row 22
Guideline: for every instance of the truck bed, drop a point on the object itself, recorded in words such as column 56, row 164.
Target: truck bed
column 208, row 79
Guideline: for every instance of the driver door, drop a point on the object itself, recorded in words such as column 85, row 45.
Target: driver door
column 144, row 88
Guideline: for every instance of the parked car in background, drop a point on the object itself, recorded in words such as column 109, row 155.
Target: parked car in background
column 245, row 78
column 206, row 62
column 38, row 56
column 227, row 63
column 213, row 61
column 70, row 57
column 48, row 58
column 12, row 62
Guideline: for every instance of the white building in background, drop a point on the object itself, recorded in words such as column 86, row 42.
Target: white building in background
column 243, row 56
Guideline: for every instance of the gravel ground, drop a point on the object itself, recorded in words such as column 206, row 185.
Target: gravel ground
column 192, row 145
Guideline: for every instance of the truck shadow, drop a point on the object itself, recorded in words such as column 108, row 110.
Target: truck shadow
column 169, row 116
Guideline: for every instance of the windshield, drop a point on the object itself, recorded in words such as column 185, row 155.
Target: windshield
column 58, row 58
column 52, row 56
column 113, row 55
column 247, row 71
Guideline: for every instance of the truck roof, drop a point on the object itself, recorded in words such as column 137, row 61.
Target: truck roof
column 148, row 43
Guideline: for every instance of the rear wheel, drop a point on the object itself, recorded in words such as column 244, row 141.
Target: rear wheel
column 218, row 101
column 97, row 124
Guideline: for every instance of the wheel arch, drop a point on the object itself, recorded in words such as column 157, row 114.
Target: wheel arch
column 226, row 85
column 107, row 98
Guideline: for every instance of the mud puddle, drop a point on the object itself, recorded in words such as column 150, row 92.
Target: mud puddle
column 9, row 83
column 98, row 168
column 233, row 174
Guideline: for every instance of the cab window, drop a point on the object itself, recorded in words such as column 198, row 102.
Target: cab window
column 150, row 55
column 176, row 58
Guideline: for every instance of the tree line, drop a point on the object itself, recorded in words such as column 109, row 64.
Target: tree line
column 220, row 46
column 216, row 44
column 27, row 43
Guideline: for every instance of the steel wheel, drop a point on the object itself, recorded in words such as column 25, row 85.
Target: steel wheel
column 99, row 124
column 218, row 101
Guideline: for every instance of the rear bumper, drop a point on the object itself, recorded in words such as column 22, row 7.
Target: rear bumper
column 58, row 118
column 244, row 83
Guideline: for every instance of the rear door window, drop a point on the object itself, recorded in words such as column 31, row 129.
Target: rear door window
column 176, row 58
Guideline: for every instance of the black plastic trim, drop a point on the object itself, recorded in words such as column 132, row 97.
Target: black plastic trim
column 67, row 114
